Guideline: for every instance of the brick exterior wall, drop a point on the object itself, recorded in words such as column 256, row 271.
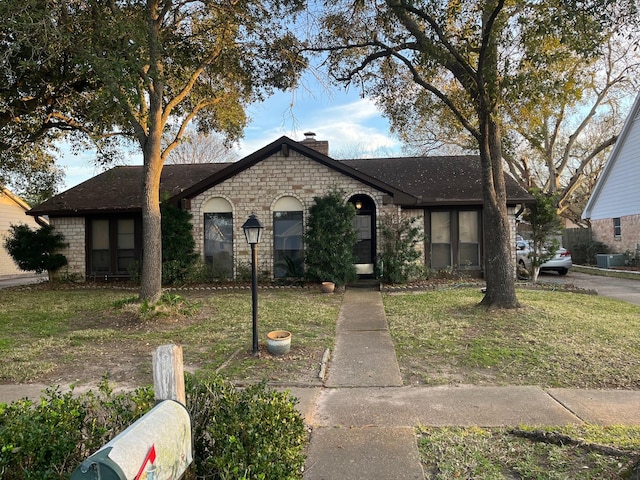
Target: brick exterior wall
column 73, row 229
column 602, row 231
column 257, row 189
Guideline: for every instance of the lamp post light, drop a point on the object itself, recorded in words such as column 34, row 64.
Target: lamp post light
column 252, row 232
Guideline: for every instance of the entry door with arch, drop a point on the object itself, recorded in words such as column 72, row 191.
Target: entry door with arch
column 365, row 225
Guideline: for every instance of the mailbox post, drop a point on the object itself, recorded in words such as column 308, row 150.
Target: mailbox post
column 156, row 447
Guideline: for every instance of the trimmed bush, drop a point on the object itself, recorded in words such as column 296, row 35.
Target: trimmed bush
column 35, row 250
column 178, row 245
column 398, row 259
column 48, row 439
column 329, row 241
column 254, row 433
column 585, row 253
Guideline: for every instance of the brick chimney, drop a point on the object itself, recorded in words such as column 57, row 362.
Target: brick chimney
column 310, row 141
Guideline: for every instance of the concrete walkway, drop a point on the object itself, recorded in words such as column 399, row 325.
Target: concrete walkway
column 363, row 420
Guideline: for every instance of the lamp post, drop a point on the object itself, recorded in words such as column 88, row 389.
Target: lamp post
column 252, row 232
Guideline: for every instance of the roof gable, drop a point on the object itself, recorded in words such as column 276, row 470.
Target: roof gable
column 616, row 192
column 14, row 199
column 286, row 145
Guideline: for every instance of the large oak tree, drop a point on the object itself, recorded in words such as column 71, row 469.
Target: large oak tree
column 465, row 56
column 560, row 124
column 166, row 63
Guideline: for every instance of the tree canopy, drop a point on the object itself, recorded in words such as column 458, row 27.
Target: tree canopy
column 143, row 71
column 559, row 124
column 464, row 61
column 41, row 87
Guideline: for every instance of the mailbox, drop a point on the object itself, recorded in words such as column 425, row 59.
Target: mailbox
column 156, row 447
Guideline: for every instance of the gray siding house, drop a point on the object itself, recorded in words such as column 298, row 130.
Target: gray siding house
column 614, row 206
column 101, row 218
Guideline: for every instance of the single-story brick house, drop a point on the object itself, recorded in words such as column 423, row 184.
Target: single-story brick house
column 101, row 218
column 614, row 206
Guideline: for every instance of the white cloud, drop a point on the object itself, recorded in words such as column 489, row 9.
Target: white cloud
column 353, row 126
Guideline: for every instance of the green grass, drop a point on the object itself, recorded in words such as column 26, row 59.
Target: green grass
column 79, row 335
column 497, row 453
column 557, row 339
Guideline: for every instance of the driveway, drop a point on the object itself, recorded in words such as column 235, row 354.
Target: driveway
column 619, row 288
column 23, row 279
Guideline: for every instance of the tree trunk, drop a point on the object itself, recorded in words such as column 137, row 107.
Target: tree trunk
column 151, row 281
column 535, row 274
column 498, row 262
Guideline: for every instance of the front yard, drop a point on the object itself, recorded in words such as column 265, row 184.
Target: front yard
column 557, row 339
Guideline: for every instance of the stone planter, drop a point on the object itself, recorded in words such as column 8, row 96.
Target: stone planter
column 278, row 342
column 327, row 287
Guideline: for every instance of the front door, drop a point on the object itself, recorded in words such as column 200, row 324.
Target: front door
column 365, row 224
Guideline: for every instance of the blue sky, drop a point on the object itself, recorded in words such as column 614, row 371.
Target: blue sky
column 352, row 125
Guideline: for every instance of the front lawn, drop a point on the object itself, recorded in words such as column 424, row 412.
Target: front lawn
column 556, row 339
column 80, row 335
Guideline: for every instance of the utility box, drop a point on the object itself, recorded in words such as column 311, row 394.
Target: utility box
column 609, row 260
column 156, row 447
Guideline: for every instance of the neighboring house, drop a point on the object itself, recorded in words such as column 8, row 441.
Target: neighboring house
column 614, row 206
column 101, row 218
column 12, row 212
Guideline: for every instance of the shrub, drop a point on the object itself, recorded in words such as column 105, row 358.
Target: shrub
column 178, row 245
column 254, row 433
column 329, row 241
column 584, row 253
column 50, row 438
column 35, row 250
column 399, row 253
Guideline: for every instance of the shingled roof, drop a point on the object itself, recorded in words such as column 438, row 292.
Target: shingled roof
column 437, row 180
column 411, row 181
column 119, row 190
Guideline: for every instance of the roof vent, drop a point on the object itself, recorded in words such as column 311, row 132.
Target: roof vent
column 310, row 141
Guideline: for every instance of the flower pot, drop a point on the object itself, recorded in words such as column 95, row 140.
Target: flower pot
column 327, row 287
column 278, row 342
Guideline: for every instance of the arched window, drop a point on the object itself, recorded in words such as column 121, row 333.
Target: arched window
column 218, row 236
column 288, row 249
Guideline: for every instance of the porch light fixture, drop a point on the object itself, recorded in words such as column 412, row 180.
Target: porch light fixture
column 252, row 232
column 358, row 205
